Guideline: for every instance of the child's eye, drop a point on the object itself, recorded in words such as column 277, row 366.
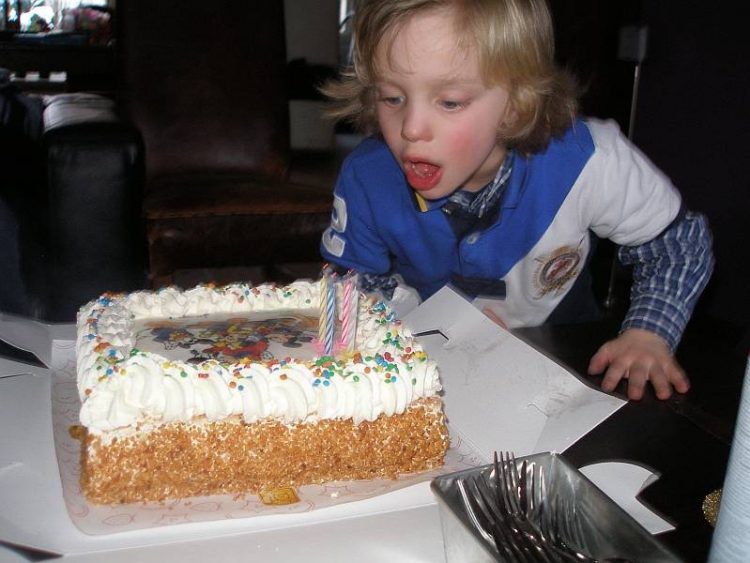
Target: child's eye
column 452, row 105
column 392, row 101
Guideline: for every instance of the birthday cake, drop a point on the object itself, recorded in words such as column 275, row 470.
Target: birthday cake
column 243, row 389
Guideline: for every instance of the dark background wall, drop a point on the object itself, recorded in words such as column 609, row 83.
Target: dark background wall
column 692, row 115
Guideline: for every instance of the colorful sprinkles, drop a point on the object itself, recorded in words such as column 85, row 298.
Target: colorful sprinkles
column 347, row 366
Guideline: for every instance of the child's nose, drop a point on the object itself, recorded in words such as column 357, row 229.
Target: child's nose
column 416, row 126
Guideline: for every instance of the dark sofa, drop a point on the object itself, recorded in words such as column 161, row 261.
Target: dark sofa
column 70, row 203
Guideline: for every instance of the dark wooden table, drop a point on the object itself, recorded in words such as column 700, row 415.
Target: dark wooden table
column 685, row 439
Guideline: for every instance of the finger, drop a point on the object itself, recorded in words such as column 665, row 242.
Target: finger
column 637, row 378
column 679, row 379
column 600, row 360
column 612, row 377
column 494, row 316
column 662, row 384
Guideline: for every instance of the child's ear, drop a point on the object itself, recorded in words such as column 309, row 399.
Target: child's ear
column 508, row 120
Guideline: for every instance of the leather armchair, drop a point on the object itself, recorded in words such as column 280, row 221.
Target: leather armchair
column 205, row 84
column 71, row 199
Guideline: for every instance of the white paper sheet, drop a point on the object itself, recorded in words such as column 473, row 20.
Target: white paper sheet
column 53, row 344
column 623, row 482
column 500, row 393
column 11, row 368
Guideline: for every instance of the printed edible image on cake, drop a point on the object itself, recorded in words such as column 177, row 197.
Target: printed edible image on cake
column 254, row 337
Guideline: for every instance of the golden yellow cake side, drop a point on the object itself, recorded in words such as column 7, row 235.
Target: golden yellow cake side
column 232, row 457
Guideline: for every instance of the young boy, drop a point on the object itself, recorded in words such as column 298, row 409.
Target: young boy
column 479, row 174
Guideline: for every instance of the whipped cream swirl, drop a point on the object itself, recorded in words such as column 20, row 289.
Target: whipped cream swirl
column 121, row 387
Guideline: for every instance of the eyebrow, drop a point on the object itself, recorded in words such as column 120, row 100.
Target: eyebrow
column 459, row 80
column 440, row 82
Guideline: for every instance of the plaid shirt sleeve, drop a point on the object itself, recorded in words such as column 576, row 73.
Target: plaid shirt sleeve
column 669, row 274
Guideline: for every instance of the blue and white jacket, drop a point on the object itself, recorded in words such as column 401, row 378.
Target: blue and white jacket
column 590, row 180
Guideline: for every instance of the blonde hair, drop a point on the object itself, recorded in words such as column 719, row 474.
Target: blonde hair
column 514, row 41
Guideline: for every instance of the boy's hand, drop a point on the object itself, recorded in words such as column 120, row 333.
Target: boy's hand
column 640, row 356
column 492, row 315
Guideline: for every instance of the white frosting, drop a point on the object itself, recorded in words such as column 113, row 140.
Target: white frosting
column 122, row 387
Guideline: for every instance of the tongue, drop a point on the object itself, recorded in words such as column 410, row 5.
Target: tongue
column 425, row 169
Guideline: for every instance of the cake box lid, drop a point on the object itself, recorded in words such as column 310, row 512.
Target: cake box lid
column 500, row 393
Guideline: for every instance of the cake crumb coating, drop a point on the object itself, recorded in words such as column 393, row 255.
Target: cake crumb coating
column 233, row 457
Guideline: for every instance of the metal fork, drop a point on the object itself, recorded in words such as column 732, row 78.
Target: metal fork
column 552, row 526
column 480, row 518
column 561, row 524
column 558, row 521
column 512, row 537
column 520, row 503
column 501, row 525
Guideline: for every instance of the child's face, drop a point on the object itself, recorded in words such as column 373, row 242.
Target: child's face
column 436, row 114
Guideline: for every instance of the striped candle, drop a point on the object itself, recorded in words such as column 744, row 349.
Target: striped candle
column 349, row 311
column 322, row 321
column 330, row 318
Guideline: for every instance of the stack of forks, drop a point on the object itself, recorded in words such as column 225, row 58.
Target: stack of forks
column 512, row 511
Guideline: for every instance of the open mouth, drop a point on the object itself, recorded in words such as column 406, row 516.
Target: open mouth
column 422, row 175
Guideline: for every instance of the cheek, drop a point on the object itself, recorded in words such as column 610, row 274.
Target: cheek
column 471, row 138
column 389, row 125
column 460, row 136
